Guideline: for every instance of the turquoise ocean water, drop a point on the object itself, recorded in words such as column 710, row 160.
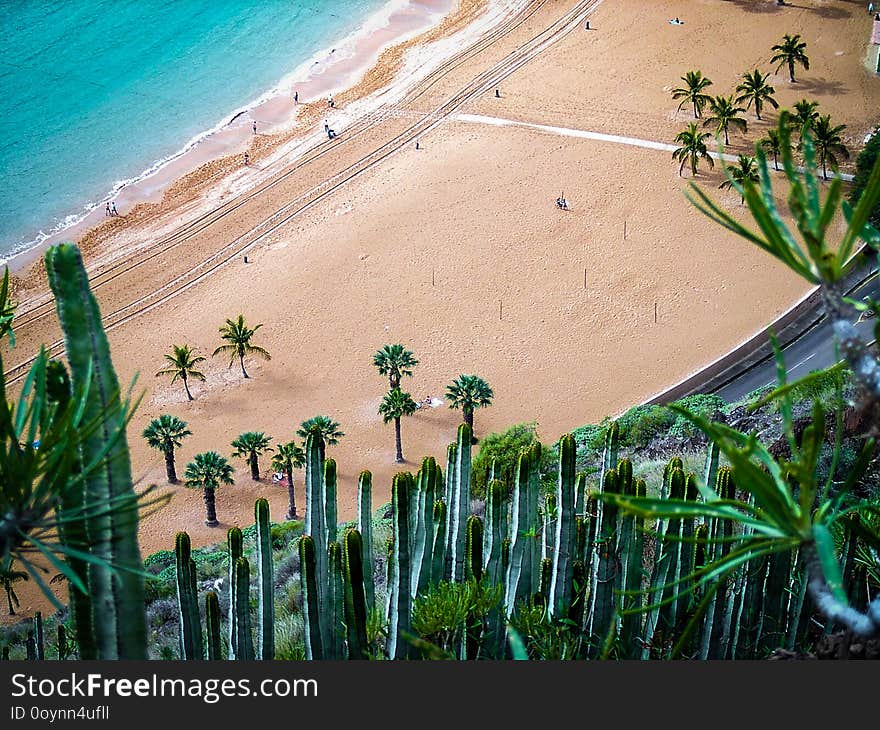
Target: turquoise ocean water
column 94, row 92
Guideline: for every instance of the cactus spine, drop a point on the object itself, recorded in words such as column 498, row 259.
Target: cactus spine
column 212, row 625
column 355, row 597
column 187, row 600
column 266, row 583
column 400, row 608
column 561, row 584
column 110, row 620
column 365, row 528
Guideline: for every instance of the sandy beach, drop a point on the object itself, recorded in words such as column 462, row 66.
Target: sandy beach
column 456, row 249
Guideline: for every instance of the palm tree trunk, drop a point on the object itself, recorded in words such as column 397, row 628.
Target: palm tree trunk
column 469, row 419
column 693, row 165
column 399, row 458
column 393, row 382
column 210, row 508
column 170, row 471
column 243, row 371
column 291, row 496
column 775, row 161
column 824, row 171
column 791, row 70
column 255, row 467
column 726, row 138
column 9, row 601
column 186, row 387
column 696, row 111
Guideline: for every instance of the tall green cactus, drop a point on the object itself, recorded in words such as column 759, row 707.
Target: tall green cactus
column 496, row 510
column 110, row 619
column 187, row 600
column 607, row 573
column 561, row 584
column 334, row 611
column 311, row 610
column 474, row 549
column 235, row 550
column 523, row 571
column 548, row 526
column 631, row 624
column 612, row 447
column 38, row 635
column 244, row 643
column 212, row 626
column 671, row 551
column 423, row 538
column 460, row 506
column 449, row 489
column 330, row 508
column 315, row 523
column 365, row 528
column 355, row 597
column 63, row 643
column 438, row 557
column 266, row 582
column 400, row 608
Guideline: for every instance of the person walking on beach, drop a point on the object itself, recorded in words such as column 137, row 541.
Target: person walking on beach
column 330, row 101
column 107, row 210
column 114, row 208
column 296, row 97
column 497, row 94
column 247, row 159
column 255, row 127
column 417, row 144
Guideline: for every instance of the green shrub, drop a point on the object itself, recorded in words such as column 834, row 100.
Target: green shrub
column 504, row 449
column 158, row 561
column 285, row 534
column 702, row 404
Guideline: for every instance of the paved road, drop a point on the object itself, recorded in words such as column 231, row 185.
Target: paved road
column 813, row 350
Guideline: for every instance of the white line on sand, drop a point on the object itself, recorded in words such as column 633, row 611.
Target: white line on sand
column 584, row 134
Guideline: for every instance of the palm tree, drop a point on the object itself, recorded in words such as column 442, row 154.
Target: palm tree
column 469, row 392
column 772, row 143
column 165, row 433
column 746, row 171
column 288, row 457
column 208, row 471
column 829, row 144
column 326, row 426
column 725, row 114
column 183, row 361
column 8, row 578
column 693, row 148
column 805, row 115
column 394, row 361
column 695, row 84
column 238, row 342
column 790, row 52
column 393, row 407
column 249, row 446
column 754, row 89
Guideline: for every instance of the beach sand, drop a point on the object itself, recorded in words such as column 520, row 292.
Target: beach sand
column 473, row 211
